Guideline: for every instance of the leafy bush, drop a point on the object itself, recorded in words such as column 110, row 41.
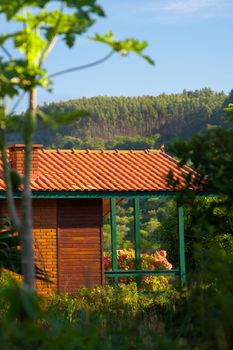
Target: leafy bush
column 105, row 318
column 155, row 261
column 102, row 318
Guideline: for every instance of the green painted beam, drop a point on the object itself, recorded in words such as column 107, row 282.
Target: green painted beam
column 104, row 194
column 139, row 273
column 137, row 237
column 181, row 246
column 114, row 238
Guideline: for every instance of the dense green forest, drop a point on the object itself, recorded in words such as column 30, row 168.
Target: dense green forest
column 135, row 122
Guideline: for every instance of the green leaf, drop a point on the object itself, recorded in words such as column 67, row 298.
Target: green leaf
column 125, row 46
column 7, row 87
column 86, row 7
column 56, row 22
column 17, row 74
column 12, row 7
column 31, row 43
column 70, row 39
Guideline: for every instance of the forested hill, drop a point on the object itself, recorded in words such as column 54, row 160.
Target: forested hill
column 136, row 122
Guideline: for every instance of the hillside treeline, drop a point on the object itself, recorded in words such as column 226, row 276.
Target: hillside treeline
column 135, row 122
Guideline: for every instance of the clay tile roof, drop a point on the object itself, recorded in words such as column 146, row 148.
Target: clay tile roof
column 104, row 170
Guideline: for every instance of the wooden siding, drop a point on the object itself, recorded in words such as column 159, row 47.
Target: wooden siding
column 79, row 244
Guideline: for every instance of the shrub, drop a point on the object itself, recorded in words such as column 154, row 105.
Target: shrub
column 98, row 319
column 155, row 261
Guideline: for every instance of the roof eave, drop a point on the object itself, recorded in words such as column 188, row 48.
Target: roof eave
column 104, row 194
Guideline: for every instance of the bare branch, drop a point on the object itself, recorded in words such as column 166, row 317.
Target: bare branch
column 9, row 192
column 53, row 39
column 89, row 65
column 6, row 51
column 17, row 102
column 48, row 49
column 28, row 264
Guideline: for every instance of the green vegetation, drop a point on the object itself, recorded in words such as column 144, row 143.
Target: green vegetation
column 200, row 316
column 123, row 318
column 126, row 261
column 153, row 222
column 135, row 122
column 197, row 317
column 98, row 319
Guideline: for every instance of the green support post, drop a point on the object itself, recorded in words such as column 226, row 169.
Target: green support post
column 114, row 239
column 137, row 238
column 181, row 245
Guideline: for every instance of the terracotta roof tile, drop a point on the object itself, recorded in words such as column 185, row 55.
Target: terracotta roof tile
column 72, row 170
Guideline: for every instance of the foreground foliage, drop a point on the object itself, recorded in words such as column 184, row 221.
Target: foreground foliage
column 97, row 319
column 123, row 318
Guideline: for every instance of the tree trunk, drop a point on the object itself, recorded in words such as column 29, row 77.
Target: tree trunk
column 28, row 265
column 33, row 101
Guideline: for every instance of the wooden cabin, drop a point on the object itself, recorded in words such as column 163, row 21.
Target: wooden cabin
column 72, row 190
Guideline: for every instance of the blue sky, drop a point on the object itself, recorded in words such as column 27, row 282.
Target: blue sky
column 190, row 41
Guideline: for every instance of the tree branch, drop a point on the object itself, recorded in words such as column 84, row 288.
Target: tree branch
column 53, row 39
column 10, row 198
column 10, row 202
column 48, row 49
column 6, row 51
column 17, row 102
column 89, row 65
column 28, row 264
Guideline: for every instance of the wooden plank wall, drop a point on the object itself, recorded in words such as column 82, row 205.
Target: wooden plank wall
column 79, row 244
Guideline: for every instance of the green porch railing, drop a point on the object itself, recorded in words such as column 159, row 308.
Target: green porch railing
column 137, row 239
column 114, row 238
column 138, row 273
column 181, row 246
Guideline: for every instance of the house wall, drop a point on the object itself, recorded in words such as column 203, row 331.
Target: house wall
column 68, row 243
column 79, row 244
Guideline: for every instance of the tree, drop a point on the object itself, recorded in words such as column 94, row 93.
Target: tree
column 40, row 26
column 210, row 155
column 210, row 220
column 210, row 237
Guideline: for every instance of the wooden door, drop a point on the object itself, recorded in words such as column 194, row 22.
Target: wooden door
column 80, row 260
